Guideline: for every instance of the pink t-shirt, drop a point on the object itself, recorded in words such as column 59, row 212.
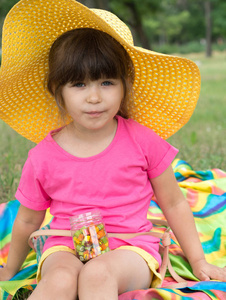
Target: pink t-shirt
column 116, row 181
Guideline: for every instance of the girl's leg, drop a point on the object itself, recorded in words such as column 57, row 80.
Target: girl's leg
column 59, row 280
column 113, row 273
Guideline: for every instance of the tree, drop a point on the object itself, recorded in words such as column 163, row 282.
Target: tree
column 207, row 6
column 219, row 19
column 88, row 3
column 134, row 13
column 169, row 23
column 155, row 22
column 102, row 4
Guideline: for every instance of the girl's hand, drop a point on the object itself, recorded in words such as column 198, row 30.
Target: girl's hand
column 205, row 271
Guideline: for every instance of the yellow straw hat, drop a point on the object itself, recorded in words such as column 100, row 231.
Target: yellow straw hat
column 166, row 88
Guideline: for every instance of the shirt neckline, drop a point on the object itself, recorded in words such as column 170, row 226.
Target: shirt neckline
column 94, row 157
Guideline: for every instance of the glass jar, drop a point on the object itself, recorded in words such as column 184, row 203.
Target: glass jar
column 89, row 235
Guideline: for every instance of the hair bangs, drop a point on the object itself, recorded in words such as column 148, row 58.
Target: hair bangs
column 93, row 62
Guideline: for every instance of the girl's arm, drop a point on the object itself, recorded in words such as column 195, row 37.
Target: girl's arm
column 26, row 222
column 180, row 218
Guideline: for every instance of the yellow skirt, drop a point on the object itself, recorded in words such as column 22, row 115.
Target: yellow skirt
column 150, row 260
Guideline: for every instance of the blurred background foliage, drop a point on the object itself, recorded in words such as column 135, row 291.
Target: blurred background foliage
column 169, row 26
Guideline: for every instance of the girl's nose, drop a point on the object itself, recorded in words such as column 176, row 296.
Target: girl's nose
column 94, row 95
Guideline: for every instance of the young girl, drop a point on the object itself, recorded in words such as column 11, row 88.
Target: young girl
column 100, row 158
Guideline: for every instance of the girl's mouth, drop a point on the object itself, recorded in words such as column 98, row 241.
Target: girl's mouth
column 94, row 114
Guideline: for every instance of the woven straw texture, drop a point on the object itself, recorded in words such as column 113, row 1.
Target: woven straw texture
column 166, row 88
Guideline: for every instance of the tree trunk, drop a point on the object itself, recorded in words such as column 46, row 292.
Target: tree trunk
column 88, row 3
column 208, row 28
column 138, row 26
column 102, row 4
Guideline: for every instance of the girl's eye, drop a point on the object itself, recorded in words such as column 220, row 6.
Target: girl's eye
column 79, row 84
column 107, row 83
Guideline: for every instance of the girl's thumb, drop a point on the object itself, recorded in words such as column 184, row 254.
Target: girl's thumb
column 203, row 276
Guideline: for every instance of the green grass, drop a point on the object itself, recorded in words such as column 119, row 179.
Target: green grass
column 202, row 141
column 22, row 294
column 13, row 153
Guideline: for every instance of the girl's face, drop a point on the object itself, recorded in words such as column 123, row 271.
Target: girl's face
column 93, row 104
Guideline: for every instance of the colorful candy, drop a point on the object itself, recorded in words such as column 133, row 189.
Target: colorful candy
column 90, row 241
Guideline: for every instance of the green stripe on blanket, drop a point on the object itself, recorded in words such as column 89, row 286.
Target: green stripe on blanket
column 206, row 194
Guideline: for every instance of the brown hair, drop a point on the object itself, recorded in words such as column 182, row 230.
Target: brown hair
column 87, row 53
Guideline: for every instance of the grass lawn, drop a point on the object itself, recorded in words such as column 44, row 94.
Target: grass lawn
column 202, row 142
column 13, row 153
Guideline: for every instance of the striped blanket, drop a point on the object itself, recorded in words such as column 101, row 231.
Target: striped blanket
column 206, row 193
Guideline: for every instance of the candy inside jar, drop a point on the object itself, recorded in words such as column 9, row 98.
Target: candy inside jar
column 89, row 235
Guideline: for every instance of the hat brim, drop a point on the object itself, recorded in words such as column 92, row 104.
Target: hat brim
column 165, row 90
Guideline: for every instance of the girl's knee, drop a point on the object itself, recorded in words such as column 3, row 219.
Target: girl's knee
column 96, row 271
column 58, row 283
column 61, row 269
column 62, row 277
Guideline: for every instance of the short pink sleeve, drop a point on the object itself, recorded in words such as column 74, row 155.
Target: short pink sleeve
column 158, row 153
column 164, row 155
column 30, row 192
